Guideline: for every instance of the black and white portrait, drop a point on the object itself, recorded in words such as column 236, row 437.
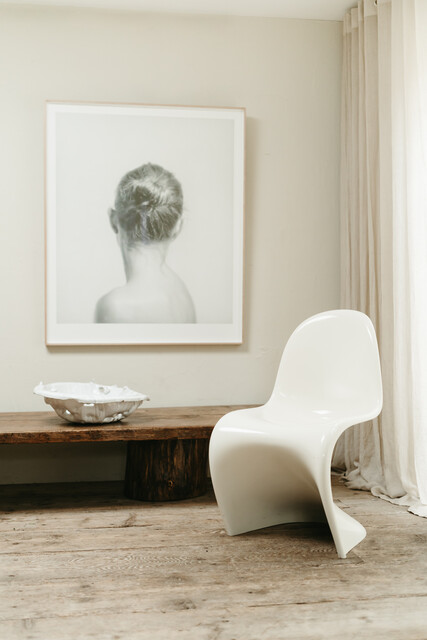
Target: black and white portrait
column 146, row 217
column 144, row 222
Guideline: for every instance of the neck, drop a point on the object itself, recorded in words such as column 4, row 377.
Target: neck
column 143, row 259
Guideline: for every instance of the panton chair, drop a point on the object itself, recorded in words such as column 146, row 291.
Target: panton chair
column 271, row 464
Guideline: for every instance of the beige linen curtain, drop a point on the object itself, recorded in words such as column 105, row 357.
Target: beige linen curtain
column 384, row 237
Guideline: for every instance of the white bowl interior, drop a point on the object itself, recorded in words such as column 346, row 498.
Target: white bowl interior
column 88, row 392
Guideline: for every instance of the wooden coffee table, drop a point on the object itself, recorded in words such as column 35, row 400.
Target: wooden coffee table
column 166, row 453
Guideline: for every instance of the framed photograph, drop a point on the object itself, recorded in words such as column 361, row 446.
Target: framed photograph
column 144, row 224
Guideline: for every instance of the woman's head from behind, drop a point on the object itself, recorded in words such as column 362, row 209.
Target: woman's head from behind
column 148, row 206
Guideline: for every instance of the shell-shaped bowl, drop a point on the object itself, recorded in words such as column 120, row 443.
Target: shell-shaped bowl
column 88, row 402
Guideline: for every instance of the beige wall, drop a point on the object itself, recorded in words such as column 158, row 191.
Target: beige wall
column 287, row 75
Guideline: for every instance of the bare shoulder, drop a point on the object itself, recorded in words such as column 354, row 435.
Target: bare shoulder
column 183, row 304
column 112, row 307
column 164, row 301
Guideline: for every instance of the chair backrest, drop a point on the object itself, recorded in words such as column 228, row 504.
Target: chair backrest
column 331, row 365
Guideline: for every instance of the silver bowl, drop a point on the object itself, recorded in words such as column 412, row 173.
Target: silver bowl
column 88, row 402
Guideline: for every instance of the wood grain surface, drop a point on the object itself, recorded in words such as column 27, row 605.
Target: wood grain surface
column 144, row 424
column 159, row 470
column 81, row 562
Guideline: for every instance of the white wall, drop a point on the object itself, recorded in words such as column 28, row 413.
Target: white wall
column 287, row 75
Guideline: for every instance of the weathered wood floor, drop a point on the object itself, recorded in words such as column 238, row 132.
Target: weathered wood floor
column 82, row 562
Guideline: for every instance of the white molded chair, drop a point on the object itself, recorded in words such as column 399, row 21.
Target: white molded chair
column 271, row 464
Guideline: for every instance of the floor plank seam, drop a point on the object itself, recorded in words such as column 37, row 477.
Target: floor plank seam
column 175, row 573
column 172, row 608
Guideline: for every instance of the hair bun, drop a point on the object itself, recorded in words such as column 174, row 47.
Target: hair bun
column 149, row 204
column 142, row 196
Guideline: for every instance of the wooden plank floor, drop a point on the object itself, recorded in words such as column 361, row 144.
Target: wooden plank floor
column 82, row 562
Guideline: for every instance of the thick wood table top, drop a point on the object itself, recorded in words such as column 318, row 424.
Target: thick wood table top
column 144, row 424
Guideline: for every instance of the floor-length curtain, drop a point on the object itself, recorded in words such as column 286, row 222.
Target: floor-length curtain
column 384, row 237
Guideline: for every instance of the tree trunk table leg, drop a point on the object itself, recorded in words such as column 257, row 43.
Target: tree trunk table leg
column 160, row 470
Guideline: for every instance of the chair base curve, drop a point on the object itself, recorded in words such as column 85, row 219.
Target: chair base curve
column 259, row 485
column 346, row 531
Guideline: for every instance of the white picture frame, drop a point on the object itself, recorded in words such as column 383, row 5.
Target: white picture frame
column 195, row 295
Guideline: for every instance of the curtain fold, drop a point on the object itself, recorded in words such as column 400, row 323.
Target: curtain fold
column 384, row 237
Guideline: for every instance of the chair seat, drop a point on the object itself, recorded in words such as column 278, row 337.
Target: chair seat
column 293, row 426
